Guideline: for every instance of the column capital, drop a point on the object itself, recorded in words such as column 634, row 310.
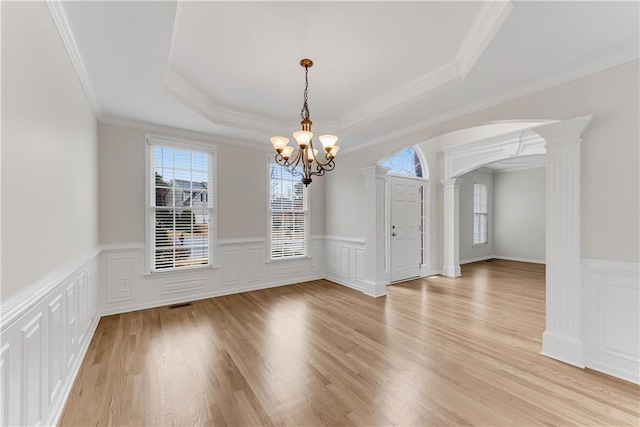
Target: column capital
column 564, row 132
column 451, row 183
column 374, row 171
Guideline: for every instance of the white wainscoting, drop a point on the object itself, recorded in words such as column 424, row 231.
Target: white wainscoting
column 244, row 266
column 44, row 334
column 612, row 317
column 345, row 261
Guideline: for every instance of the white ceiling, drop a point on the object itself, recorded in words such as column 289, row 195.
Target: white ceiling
column 380, row 68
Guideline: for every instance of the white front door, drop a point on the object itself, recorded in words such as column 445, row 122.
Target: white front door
column 405, row 228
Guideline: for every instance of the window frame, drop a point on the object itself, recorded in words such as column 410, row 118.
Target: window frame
column 480, row 214
column 151, row 141
column 307, row 214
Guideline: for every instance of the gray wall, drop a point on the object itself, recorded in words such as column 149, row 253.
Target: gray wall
column 242, row 188
column 49, row 148
column 519, row 214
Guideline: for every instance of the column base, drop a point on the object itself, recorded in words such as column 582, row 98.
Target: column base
column 375, row 289
column 564, row 348
column 451, row 270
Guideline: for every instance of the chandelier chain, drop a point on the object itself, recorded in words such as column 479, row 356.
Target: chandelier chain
column 304, row 113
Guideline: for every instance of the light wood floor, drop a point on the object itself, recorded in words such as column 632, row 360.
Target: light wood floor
column 435, row 351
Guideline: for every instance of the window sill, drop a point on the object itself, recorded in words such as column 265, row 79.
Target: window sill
column 278, row 260
column 193, row 270
column 480, row 244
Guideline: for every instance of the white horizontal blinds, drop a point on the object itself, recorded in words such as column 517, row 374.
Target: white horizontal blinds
column 181, row 207
column 480, row 214
column 288, row 213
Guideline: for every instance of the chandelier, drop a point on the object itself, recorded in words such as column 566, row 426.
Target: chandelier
column 306, row 157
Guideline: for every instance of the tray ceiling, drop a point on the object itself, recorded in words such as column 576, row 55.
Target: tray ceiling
column 380, row 68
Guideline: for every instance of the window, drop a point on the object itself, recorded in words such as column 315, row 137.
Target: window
column 480, row 214
column 405, row 162
column 288, row 213
column 180, row 209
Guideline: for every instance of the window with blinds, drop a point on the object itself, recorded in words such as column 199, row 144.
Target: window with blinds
column 288, row 211
column 480, row 214
column 181, row 208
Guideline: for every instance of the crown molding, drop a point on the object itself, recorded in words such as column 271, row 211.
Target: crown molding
column 64, row 29
column 487, row 23
column 190, row 95
column 182, row 133
column 484, row 27
column 529, row 89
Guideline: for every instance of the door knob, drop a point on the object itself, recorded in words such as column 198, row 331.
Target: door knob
column 393, row 234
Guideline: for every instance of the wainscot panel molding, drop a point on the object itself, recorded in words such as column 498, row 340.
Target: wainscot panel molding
column 45, row 332
column 244, row 266
column 345, row 261
column 612, row 319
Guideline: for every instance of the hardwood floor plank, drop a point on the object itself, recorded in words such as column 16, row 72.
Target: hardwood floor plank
column 434, row 351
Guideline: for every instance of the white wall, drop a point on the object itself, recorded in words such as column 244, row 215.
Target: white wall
column 469, row 252
column 49, row 149
column 610, row 156
column 519, row 214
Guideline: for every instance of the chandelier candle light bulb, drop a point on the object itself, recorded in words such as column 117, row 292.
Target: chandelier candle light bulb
column 306, row 156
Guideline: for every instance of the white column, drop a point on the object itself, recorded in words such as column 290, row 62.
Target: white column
column 451, row 265
column 562, row 339
column 376, row 276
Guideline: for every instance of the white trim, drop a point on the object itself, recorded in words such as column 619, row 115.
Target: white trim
column 192, row 97
column 73, row 373
column 487, row 23
column 529, row 260
column 345, row 283
column 122, row 247
column 528, row 89
column 54, row 321
column 39, row 290
column 611, row 304
column 343, row 239
column 612, row 268
column 307, row 215
column 470, row 260
column 212, row 193
column 169, row 141
column 206, row 295
column 59, row 17
column 171, row 132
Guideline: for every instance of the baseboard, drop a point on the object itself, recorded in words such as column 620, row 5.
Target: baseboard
column 632, row 376
column 563, row 348
column 482, row 258
column 344, row 283
column 510, row 258
column 196, row 297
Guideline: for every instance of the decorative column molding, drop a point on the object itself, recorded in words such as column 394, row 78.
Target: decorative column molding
column 451, row 265
column 562, row 338
column 376, row 276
